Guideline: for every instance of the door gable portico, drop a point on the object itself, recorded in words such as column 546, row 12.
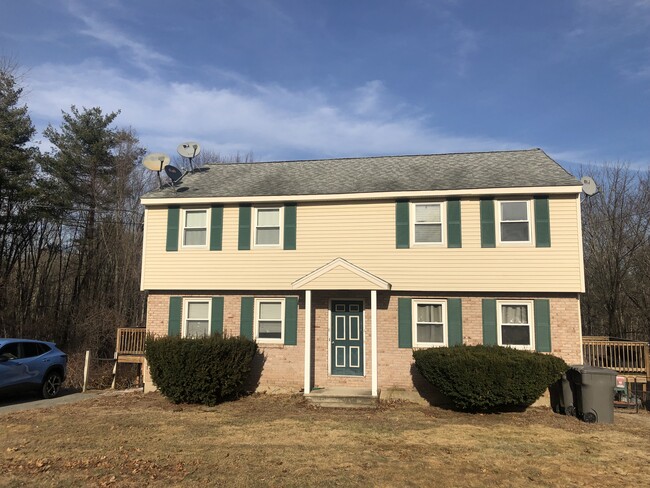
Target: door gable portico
column 340, row 274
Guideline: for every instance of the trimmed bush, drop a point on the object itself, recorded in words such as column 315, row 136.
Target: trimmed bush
column 207, row 370
column 488, row 377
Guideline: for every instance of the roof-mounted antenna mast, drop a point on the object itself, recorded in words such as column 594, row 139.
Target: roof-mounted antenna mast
column 189, row 150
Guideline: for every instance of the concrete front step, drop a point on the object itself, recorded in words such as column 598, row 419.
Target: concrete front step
column 342, row 398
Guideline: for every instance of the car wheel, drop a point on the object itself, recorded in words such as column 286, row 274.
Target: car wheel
column 52, row 385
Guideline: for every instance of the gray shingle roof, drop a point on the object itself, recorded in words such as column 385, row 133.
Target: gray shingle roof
column 499, row 169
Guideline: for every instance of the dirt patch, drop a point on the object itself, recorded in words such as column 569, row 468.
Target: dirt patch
column 261, row 440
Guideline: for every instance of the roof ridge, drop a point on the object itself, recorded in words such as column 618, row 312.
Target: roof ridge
column 377, row 157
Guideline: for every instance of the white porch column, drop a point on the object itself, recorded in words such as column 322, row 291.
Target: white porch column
column 307, row 387
column 373, row 328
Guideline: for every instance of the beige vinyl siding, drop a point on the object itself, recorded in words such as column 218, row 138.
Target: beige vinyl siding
column 341, row 279
column 363, row 233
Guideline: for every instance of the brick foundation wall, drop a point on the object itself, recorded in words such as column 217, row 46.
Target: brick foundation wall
column 281, row 368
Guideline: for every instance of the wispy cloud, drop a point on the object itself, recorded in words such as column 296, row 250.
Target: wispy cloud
column 138, row 53
column 270, row 120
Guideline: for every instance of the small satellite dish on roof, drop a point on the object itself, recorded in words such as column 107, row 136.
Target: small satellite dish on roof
column 174, row 174
column 156, row 162
column 189, row 150
column 589, row 186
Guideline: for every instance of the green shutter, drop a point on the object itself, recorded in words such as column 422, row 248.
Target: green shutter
column 453, row 223
column 489, row 322
column 290, row 226
column 175, row 311
column 244, row 227
column 404, row 323
column 455, row 321
column 173, row 216
column 216, row 319
column 542, row 223
column 542, row 326
column 402, row 225
column 216, row 227
column 291, row 321
column 487, row 223
column 247, row 312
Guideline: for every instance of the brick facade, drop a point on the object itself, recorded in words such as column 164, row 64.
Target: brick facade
column 281, row 368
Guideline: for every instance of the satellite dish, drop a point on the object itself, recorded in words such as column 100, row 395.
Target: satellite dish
column 174, row 174
column 189, row 150
column 589, row 186
column 156, row 162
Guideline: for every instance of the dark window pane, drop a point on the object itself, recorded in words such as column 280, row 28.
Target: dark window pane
column 430, row 333
column 30, row 350
column 43, row 348
column 514, row 231
column 515, row 335
column 11, row 350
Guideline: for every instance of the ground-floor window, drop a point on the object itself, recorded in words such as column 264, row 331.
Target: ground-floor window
column 515, row 324
column 429, row 323
column 196, row 321
column 269, row 319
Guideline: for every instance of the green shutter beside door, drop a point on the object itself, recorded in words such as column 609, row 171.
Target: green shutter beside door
column 216, row 319
column 216, row 227
column 542, row 223
column 404, row 323
column 173, row 216
column 175, row 311
column 542, row 326
column 455, row 321
column 402, row 225
column 453, row 223
column 488, row 238
column 489, row 322
column 291, row 321
column 247, row 313
column 290, row 226
column 244, row 227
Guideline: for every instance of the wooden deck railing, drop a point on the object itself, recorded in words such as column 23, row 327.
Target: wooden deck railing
column 131, row 340
column 627, row 357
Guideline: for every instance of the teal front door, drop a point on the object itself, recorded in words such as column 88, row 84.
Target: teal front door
column 347, row 338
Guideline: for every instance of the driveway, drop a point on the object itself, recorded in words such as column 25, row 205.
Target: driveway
column 18, row 403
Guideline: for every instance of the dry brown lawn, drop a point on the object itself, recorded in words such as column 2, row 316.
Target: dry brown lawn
column 140, row 440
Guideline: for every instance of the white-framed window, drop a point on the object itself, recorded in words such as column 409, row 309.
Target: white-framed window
column 427, row 223
column 269, row 320
column 515, row 324
column 267, row 227
column 429, row 323
column 196, row 317
column 195, row 228
column 514, row 222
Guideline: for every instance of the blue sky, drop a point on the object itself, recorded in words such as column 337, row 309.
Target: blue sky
column 302, row 79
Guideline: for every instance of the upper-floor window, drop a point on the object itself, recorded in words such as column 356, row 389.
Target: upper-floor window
column 268, row 227
column 515, row 324
column 514, row 221
column 429, row 323
column 196, row 321
column 427, row 223
column 195, row 228
column 269, row 319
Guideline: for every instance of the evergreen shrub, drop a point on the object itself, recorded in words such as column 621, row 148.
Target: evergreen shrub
column 488, row 377
column 206, row 370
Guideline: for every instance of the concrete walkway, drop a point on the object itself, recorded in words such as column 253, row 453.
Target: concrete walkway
column 32, row 402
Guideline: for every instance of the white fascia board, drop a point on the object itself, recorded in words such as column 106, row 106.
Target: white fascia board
column 537, row 190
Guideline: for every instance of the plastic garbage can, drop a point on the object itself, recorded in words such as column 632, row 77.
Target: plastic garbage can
column 594, row 393
column 562, row 397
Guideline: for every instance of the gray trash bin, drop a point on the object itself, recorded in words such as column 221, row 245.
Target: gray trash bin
column 594, row 393
column 562, row 396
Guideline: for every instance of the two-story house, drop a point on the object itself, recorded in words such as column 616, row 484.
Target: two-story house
column 340, row 268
